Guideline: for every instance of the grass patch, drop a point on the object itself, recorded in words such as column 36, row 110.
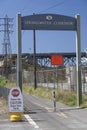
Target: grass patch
column 65, row 97
column 40, row 91
column 62, row 96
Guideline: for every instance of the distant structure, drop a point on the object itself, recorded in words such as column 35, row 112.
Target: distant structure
column 6, row 49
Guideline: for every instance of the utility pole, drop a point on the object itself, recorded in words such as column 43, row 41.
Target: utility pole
column 35, row 68
column 78, row 62
column 6, row 23
column 19, row 52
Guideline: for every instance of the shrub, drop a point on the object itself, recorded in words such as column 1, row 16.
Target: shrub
column 66, row 97
column 3, row 81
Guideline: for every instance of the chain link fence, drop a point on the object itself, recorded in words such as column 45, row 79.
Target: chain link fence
column 64, row 78
column 49, row 77
column 4, row 92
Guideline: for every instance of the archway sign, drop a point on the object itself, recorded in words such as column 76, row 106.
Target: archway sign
column 50, row 22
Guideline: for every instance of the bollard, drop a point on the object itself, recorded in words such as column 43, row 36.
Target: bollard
column 54, row 100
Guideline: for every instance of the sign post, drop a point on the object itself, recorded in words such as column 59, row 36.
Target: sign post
column 35, row 67
column 15, row 102
column 19, row 51
column 56, row 60
column 78, row 62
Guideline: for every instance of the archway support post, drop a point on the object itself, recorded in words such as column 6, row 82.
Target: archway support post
column 78, row 62
column 19, row 51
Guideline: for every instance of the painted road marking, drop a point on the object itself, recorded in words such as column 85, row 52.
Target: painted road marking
column 49, row 109
column 31, row 121
column 38, row 104
column 61, row 114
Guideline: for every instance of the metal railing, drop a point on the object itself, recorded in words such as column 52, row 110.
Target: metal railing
column 4, row 92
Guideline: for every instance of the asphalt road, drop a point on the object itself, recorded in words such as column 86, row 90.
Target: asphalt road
column 65, row 118
column 40, row 115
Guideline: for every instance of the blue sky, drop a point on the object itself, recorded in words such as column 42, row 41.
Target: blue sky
column 46, row 41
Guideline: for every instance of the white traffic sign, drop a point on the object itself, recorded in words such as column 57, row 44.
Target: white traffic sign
column 15, row 100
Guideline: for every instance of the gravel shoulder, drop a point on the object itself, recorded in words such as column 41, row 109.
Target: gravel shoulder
column 3, row 106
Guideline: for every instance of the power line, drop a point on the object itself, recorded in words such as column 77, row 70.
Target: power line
column 25, row 7
column 53, row 6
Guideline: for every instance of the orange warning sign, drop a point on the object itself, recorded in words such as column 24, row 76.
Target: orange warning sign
column 57, row 60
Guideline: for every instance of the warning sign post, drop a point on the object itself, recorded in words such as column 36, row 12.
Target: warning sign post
column 15, row 102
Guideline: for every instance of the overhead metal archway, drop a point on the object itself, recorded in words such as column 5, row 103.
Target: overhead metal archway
column 50, row 22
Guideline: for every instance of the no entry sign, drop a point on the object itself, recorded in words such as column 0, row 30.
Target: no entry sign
column 15, row 92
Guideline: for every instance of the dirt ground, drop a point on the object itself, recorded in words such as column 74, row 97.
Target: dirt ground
column 3, row 106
